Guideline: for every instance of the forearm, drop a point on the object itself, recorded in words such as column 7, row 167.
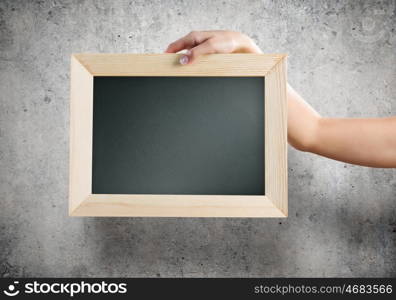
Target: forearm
column 368, row 142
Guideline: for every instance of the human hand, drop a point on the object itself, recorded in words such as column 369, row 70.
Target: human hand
column 355, row 141
column 301, row 119
column 208, row 42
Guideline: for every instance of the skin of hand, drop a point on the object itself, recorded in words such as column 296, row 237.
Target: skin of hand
column 367, row 142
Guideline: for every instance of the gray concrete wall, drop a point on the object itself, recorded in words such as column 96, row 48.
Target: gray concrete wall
column 342, row 218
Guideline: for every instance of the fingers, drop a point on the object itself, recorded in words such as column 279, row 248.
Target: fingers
column 181, row 44
column 206, row 47
column 189, row 41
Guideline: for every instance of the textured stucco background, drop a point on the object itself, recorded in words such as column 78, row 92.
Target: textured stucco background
column 342, row 218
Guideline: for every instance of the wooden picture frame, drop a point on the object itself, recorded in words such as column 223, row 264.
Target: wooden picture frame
column 81, row 200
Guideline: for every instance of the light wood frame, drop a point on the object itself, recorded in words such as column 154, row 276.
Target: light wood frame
column 81, row 200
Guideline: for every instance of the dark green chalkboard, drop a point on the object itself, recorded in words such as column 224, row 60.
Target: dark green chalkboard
column 178, row 135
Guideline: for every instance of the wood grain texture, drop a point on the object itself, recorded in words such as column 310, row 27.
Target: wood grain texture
column 168, row 64
column 276, row 136
column 177, row 206
column 81, row 113
column 83, row 203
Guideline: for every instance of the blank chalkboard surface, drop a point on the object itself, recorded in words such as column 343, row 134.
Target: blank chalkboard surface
column 178, row 135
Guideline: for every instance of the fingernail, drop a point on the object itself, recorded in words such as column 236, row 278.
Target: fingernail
column 184, row 60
